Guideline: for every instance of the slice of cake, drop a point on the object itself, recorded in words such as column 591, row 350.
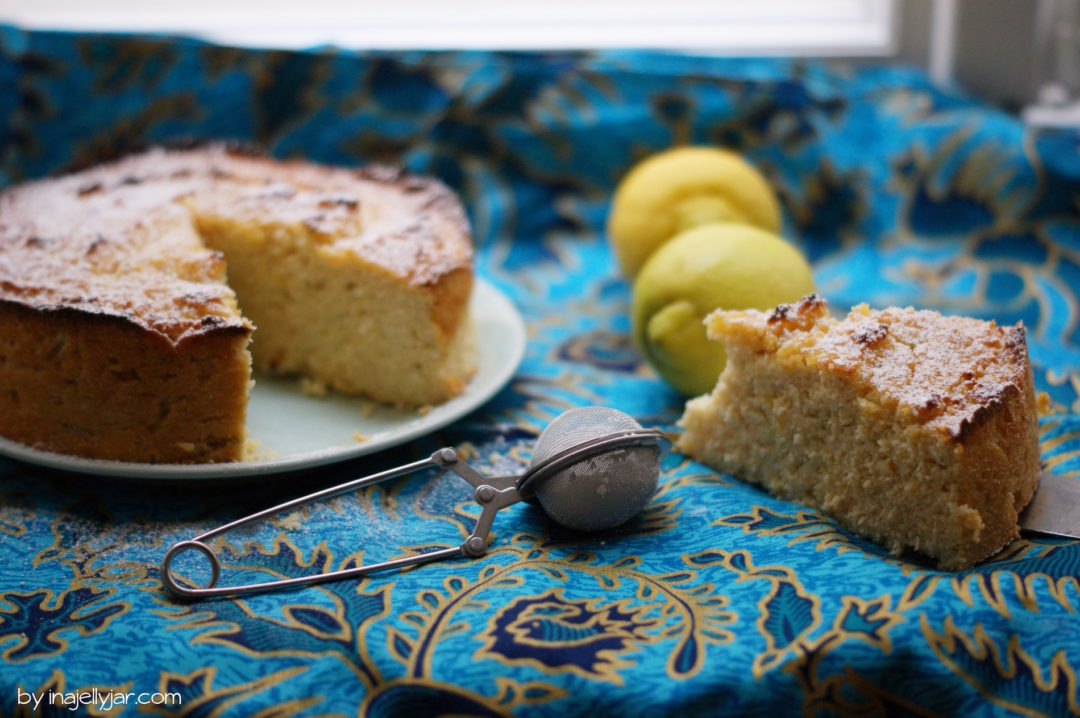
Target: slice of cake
column 129, row 293
column 912, row 429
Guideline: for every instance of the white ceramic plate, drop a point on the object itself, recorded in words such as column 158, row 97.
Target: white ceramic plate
column 297, row 431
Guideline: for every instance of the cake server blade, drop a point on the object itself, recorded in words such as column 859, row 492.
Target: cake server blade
column 1055, row 508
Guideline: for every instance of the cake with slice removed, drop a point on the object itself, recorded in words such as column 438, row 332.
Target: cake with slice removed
column 912, row 429
column 129, row 293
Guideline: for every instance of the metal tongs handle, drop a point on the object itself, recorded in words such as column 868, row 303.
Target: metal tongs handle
column 492, row 493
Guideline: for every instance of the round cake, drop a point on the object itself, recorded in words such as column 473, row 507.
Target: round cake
column 132, row 292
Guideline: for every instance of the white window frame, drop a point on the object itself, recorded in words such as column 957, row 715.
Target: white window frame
column 717, row 27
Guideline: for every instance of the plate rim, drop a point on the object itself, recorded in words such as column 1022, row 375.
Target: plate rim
column 484, row 292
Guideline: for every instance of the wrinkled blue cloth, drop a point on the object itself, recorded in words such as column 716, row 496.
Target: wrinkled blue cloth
column 719, row 599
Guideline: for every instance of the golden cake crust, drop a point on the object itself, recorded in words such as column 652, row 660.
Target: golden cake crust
column 915, row 430
column 118, row 239
column 949, row 373
column 102, row 387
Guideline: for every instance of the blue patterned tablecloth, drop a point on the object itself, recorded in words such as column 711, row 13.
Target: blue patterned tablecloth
column 719, row 599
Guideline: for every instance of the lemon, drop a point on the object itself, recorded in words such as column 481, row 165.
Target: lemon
column 715, row 266
column 684, row 188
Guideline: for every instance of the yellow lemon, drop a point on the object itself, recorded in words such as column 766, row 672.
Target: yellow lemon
column 684, row 188
column 715, row 266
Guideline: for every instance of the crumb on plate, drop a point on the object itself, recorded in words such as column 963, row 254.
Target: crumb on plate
column 313, row 387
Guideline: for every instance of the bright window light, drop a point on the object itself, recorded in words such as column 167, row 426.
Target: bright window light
column 725, row 27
